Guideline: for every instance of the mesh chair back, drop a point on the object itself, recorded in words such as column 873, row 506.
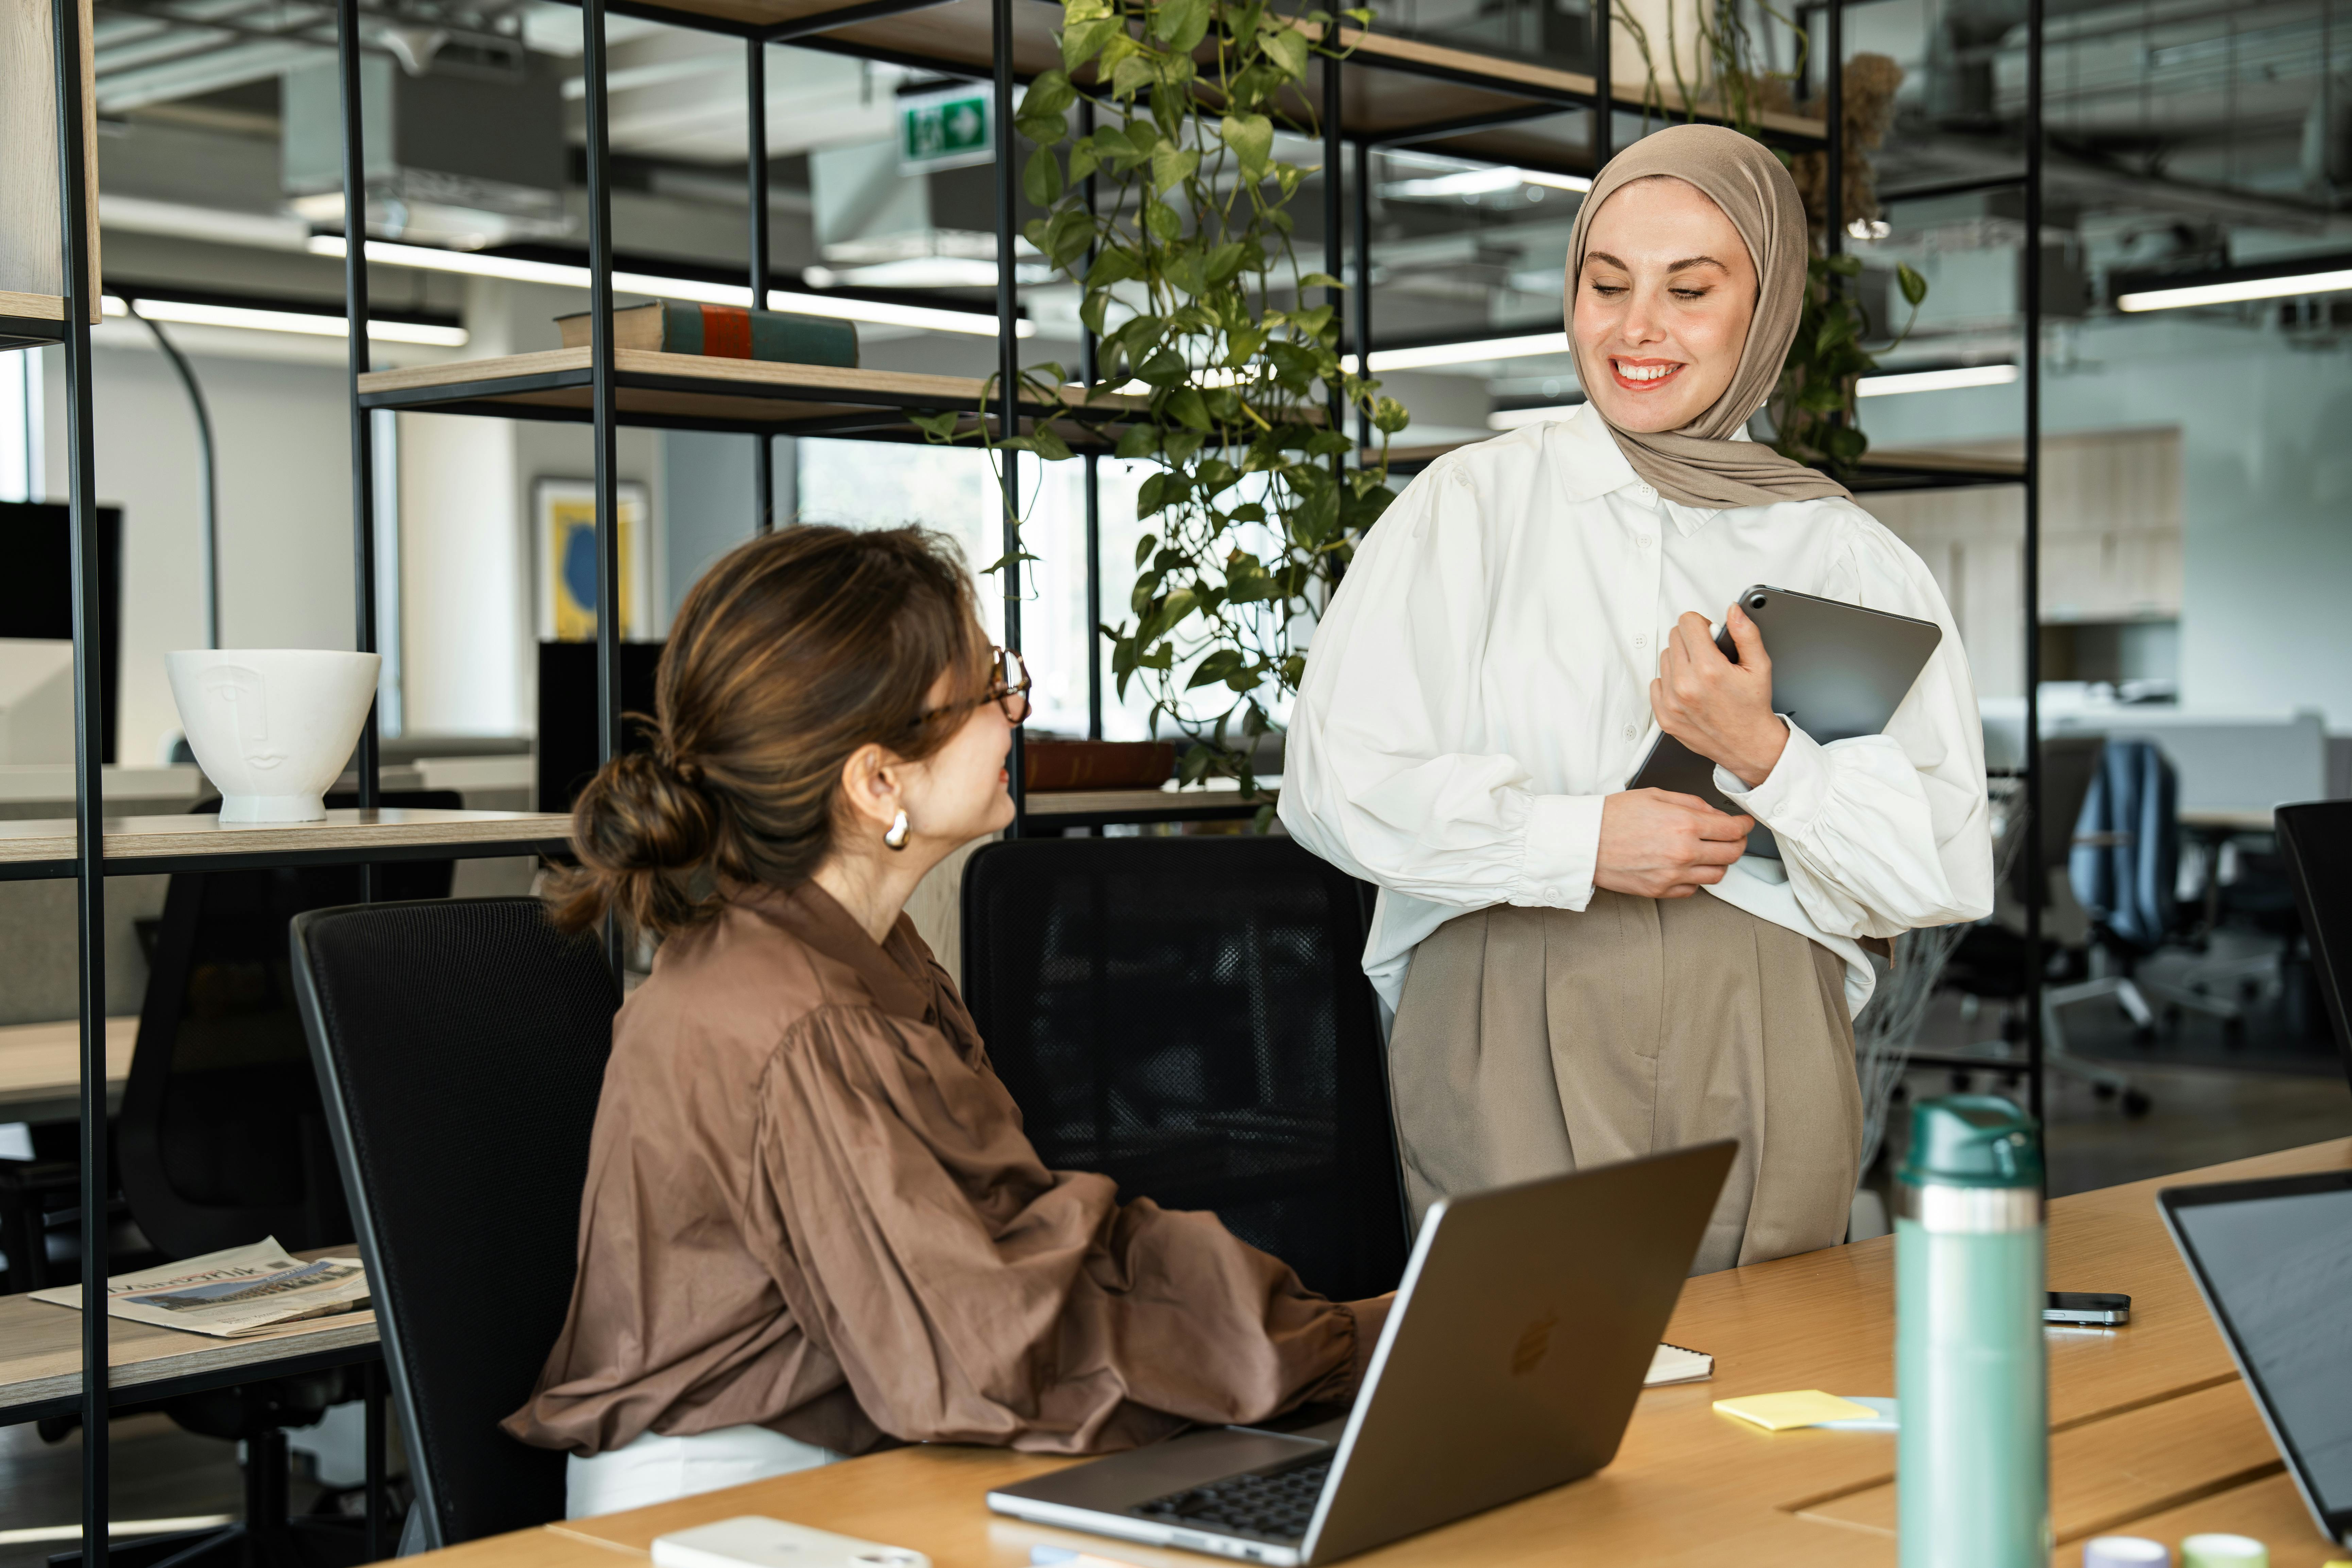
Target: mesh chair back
column 462, row 1045
column 1191, row 1017
column 223, row 1140
column 2317, row 842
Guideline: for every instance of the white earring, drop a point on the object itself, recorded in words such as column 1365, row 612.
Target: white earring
column 896, row 838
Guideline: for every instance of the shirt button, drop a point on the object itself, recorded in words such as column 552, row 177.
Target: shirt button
column 1640, row 639
column 1631, row 732
column 1645, row 541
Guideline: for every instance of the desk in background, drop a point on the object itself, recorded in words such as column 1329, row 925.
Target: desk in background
column 2153, row 1434
column 40, row 1069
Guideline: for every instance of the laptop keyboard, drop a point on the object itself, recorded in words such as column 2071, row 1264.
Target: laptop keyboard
column 1274, row 1503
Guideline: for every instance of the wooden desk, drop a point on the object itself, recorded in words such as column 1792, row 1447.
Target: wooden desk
column 40, row 1354
column 2152, row 1433
column 40, row 1068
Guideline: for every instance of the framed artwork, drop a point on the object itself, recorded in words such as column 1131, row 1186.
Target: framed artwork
column 564, row 519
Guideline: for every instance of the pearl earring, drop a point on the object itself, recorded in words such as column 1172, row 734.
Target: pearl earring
column 896, row 838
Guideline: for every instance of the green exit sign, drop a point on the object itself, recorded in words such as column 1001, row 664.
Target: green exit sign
column 945, row 128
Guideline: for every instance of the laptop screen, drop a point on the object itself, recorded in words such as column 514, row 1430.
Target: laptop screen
column 2278, row 1268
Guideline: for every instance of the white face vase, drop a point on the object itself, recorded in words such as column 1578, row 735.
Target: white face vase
column 272, row 727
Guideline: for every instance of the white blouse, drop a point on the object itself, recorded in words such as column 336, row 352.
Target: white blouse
column 1481, row 682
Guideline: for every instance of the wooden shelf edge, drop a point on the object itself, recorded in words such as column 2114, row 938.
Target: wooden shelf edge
column 132, row 839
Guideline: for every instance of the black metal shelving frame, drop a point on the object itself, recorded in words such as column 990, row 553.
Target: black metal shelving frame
column 90, row 866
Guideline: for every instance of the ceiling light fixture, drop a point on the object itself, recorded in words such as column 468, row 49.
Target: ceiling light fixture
column 1935, row 379
column 307, row 324
column 1472, row 183
column 2235, row 291
column 1476, row 351
column 515, row 269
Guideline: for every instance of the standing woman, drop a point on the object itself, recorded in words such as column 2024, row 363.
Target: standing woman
column 1509, row 642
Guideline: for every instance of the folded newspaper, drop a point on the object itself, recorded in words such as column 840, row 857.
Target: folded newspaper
column 240, row 1291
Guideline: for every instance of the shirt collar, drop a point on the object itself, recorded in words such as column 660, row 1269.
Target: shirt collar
column 888, row 969
column 1591, row 465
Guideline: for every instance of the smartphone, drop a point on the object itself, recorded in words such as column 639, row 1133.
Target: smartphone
column 752, row 1541
column 2086, row 1307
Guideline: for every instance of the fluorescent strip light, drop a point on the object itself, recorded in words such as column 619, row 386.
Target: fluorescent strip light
column 1513, row 418
column 47, row 1532
column 1466, row 353
column 1936, row 380
column 1475, row 182
column 561, row 274
column 2236, row 293
column 180, row 313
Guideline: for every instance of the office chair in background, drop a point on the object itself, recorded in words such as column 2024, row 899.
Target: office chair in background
column 1190, row 1017
column 2316, row 841
column 461, row 1046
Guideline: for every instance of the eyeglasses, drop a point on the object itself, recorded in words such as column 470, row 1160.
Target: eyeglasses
column 1009, row 690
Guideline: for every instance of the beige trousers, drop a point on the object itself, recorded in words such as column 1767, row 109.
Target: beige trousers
column 1534, row 1041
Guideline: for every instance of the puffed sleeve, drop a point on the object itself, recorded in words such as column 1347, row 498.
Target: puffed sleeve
column 1376, row 779
column 970, row 1295
column 1884, row 833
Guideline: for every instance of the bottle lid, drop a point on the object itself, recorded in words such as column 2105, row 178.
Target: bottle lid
column 1972, row 1141
column 2125, row 1551
column 2223, row 1552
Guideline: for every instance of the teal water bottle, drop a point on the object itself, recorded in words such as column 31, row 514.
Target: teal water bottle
column 1972, row 1458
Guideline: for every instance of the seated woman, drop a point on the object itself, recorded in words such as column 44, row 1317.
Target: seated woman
column 811, row 1225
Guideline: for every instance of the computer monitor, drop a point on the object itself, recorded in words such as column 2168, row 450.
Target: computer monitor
column 567, row 749
column 36, row 590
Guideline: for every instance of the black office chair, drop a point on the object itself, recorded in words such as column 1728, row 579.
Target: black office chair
column 461, row 1044
column 1190, row 1017
column 2315, row 840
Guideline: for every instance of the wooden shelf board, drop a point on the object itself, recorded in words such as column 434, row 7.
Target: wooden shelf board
column 1154, row 803
column 133, row 839
column 692, row 390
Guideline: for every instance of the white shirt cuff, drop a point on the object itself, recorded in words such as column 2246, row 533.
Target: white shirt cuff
column 1563, row 845
column 1791, row 794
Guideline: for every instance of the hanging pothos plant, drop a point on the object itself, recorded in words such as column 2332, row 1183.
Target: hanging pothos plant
column 1813, row 409
column 1215, row 367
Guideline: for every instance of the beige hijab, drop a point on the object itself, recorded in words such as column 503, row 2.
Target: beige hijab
column 1700, row 465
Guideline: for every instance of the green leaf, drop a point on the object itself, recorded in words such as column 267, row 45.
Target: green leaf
column 1083, row 42
column 1913, row 286
column 1172, row 166
column 1184, row 405
column 938, row 426
column 1320, row 280
column 1179, row 444
column 1040, row 178
column 1388, row 417
column 1111, row 266
column 1148, row 497
column 1251, row 136
column 1180, row 24
column 1050, row 447
column 1144, row 547
column 1131, row 74
column 1287, row 47
column 1223, row 261
column 1138, row 441
column 1163, row 221
column 1165, row 368
column 1050, row 94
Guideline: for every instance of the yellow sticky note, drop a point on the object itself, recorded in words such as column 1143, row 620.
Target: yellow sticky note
column 1804, row 1407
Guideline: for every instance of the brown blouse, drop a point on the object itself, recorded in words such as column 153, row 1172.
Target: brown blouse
column 810, row 1206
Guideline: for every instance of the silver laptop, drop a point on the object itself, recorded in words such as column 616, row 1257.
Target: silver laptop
column 1511, row 1364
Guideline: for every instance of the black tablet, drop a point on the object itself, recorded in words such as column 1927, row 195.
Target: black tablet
column 1838, row 670
column 2273, row 1260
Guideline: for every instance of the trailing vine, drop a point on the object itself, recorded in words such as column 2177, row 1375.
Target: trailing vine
column 1215, row 366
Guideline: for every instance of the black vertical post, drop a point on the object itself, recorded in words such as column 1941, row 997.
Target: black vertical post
column 1335, row 252
column 1008, row 358
column 755, row 81
column 2037, row 875
column 1091, row 371
column 1833, row 150
column 1361, row 327
column 609, row 739
column 355, row 310
column 81, row 451
column 1604, row 88
column 374, row 1373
